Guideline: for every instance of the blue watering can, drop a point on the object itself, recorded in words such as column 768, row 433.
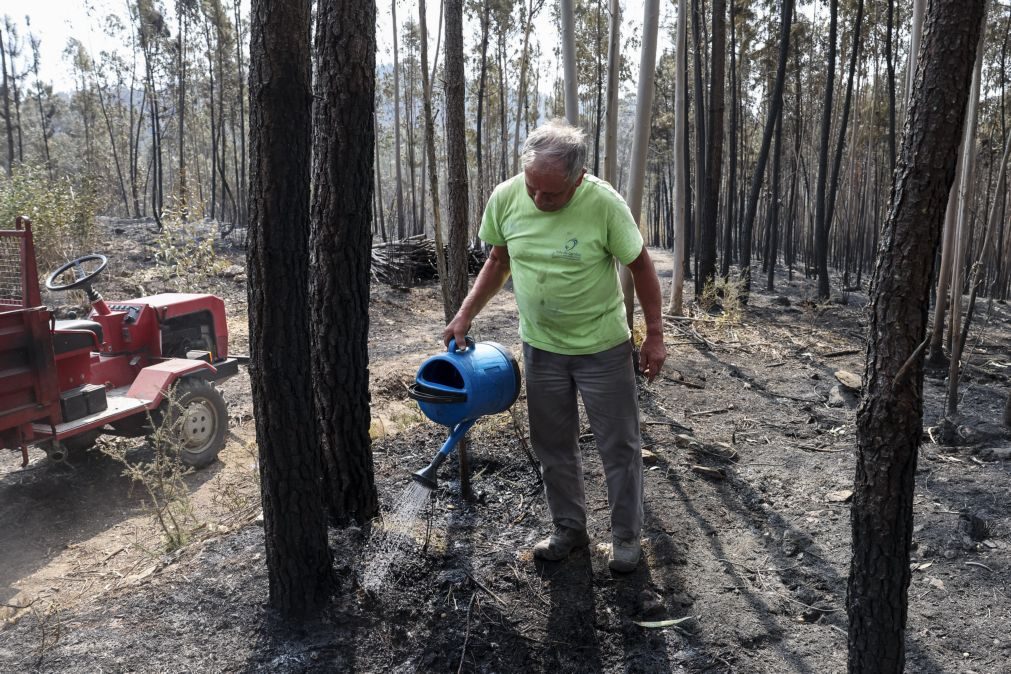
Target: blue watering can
column 458, row 387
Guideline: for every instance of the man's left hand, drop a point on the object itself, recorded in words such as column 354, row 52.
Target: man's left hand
column 652, row 354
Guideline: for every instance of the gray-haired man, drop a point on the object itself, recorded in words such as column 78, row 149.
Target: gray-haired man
column 557, row 231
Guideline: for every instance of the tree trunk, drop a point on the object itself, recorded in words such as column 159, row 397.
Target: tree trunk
column 569, row 61
column 640, row 141
column 181, row 115
column 675, row 307
column 485, row 26
column 340, row 252
column 299, row 568
column 890, row 63
column 699, row 195
column 841, row 143
column 728, row 225
column 433, row 172
column 775, row 108
column 456, row 184
column 8, row 122
column 531, row 12
column 890, row 418
column 821, row 224
column 962, row 235
column 919, row 6
column 613, row 66
column 714, row 147
column 399, row 187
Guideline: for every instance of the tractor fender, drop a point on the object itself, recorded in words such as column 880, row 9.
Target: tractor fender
column 155, row 381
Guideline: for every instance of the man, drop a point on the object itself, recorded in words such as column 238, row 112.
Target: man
column 558, row 232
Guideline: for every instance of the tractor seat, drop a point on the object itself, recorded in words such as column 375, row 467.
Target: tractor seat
column 71, row 341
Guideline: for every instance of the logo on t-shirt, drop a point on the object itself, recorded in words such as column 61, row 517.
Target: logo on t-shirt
column 568, row 252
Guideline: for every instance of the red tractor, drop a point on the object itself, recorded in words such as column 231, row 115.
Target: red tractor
column 127, row 366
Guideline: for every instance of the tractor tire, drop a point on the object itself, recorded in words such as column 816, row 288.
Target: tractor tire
column 201, row 417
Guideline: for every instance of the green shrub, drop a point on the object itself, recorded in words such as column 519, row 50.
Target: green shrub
column 62, row 213
column 184, row 252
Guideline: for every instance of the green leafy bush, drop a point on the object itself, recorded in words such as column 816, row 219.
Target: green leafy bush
column 183, row 251
column 62, row 212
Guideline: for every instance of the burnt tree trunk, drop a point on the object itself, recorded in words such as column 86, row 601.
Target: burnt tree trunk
column 714, row 147
column 890, row 418
column 775, row 109
column 298, row 559
column 340, row 252
column 821, row 224
column 457, row 198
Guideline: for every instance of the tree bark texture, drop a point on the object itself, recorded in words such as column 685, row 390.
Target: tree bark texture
column 298, row 559
column 458, row 201
column 889, row 421
column 821, row 224
column 340, row 252
column 714, row 147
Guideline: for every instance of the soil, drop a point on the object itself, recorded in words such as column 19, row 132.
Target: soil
column 750, row 446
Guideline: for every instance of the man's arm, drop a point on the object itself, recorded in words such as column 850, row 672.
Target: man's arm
column 653, row 352
column 493, row 276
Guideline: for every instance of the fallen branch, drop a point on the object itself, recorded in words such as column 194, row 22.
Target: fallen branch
column 485, row 588
column 706, row 413
column 684, row 382
column 466, row 636
column 980, row 565
column 844, row 352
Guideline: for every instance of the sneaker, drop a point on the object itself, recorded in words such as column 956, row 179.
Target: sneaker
column 561, row 543
column 624, row 554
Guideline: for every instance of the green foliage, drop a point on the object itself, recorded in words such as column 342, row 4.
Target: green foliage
column 62, row 214
column 183, row 251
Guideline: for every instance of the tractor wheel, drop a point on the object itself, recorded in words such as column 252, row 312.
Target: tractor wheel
column 201, row 417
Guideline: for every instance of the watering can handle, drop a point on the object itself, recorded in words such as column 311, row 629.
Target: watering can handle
column 452, row 344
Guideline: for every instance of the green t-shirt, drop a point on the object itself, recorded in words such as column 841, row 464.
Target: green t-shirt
column 562, row 264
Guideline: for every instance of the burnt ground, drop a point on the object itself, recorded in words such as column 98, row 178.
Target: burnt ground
column 750, row 451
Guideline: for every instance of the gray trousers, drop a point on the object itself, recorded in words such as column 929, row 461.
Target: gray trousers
column 606, row 383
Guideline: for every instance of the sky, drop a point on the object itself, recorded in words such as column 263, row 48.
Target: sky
column 56, row 21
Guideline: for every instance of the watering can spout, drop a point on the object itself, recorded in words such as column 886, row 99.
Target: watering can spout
column 427, row 476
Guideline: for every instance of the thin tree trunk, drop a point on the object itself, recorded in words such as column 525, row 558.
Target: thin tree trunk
column 821, row 223
column 890, row 418
column 569, row 60
column 962, row 236
column 675, row 306
column 775, row 106
column 401, row 229
column 613, row 65
column 714, row 147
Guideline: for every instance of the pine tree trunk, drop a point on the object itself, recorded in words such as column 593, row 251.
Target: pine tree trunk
column 821, row 223
column 8, row 122
column 397, row 154
column 775, row 108
column 714, row 146
column 299, row 570
column 340, row 245
column 890, row 418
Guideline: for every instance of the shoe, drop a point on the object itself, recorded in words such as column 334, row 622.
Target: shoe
column 624, row 554
column 561, row 543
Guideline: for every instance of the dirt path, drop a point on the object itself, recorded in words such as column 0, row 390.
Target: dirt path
column 750, row 452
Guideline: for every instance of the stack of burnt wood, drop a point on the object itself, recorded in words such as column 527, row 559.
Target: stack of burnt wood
column 410, row 261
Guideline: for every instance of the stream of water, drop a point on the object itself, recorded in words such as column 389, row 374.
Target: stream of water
column 396, row 537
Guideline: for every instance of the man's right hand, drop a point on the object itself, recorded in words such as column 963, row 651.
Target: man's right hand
column 457, row 329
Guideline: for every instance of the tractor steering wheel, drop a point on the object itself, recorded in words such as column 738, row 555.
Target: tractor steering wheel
column 82, row 279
